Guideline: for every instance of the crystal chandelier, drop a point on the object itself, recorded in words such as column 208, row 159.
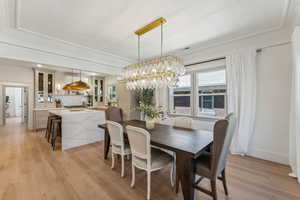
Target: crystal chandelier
column 155, row 72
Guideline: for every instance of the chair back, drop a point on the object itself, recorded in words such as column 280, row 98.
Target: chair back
column 183, row 122
column 116, row 133
column 139, row 140
column 114, row 114
column 223, row 134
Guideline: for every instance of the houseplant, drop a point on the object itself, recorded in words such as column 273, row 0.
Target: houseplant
column 57, row 103
column 151, row 114
column 145, row 97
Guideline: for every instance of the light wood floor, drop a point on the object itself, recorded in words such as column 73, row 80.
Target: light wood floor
column 30, row 170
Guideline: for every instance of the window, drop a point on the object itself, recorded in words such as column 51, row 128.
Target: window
column 181, row 96
column 200, row 94
column 211, row 93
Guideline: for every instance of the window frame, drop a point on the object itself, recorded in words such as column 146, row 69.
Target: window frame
column 171, row 100
column 195, row 94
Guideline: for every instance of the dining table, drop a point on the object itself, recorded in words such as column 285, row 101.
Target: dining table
column 187, row 144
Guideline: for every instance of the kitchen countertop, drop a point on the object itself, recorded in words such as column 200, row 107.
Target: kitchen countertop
column 64, row 108
column 72, row 111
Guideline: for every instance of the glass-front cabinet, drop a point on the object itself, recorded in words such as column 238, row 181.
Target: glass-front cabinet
column 44, row 88
column 98, row 89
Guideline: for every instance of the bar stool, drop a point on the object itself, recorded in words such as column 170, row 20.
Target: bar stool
column 55, row 131
column 49, row 125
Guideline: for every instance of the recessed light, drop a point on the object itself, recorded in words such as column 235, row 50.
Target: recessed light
column 187, row 48
column 39, row 65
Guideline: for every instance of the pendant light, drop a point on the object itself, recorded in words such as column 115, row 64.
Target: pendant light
column 77, row 85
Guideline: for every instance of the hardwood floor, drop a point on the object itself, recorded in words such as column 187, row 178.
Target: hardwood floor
column 30, row 170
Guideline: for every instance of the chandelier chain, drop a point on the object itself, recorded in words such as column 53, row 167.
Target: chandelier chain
column 161, row 39
column 139, row 49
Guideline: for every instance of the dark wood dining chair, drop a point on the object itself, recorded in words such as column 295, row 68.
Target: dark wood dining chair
column 114, row 114
column 211, row 165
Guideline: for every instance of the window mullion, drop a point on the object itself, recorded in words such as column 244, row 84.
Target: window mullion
column 194, row 94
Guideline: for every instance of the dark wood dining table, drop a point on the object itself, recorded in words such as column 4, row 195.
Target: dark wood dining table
column 188, row 144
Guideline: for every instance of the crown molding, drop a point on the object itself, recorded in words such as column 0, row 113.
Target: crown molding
column 10, row 22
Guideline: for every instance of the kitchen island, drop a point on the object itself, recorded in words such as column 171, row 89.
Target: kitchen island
column 79, row 126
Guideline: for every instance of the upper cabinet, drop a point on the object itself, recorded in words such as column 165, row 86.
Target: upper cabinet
column 98, row 89
column 44, row 88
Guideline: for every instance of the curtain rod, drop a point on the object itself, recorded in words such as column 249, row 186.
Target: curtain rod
column 206, row 61
column 222, row 58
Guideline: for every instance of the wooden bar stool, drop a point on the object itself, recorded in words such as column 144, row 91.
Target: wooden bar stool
column 55, row 131
column 49, row 125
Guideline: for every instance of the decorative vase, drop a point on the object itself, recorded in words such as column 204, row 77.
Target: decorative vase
column 150, row 124
column 58, row 105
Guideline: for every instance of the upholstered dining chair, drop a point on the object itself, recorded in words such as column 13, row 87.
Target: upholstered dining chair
column 180, row 122
column 211, row 165
column 144, row 157
column 117, row 142
column 114, row 114
column 183, row 122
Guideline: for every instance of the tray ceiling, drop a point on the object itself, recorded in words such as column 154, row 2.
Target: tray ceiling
column 109, row 25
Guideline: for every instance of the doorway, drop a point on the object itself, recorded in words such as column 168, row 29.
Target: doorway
column 15, row 105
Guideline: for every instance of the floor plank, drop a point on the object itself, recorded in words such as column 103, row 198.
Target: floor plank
column 30, row 170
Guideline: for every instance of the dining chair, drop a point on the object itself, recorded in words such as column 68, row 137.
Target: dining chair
column 211, row 165
column 180, row 122
column 119, row 147
column 114, row 114
column 183, row 122
column 146, row 158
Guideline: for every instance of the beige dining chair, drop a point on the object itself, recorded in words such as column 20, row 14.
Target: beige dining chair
column 183, row 122
column 211, row 165
column 180, row 122
column 146, row 158
column 119, row 147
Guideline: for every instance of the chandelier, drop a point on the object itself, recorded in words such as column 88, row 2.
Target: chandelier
column 155, row 72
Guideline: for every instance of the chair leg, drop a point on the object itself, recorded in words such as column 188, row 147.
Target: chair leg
column 112, row 160
column 172, row 175
column 176, row 183
column 224, row 182
column 213, row 189
column 148, row 185
column 133, row 176
column 122, row 170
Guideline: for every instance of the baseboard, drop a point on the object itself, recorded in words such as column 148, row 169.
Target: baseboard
column 271, row 156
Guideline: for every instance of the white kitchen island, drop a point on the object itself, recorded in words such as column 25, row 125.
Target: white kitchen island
column 79, row 126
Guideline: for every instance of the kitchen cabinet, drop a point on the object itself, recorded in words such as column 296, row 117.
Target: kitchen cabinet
column 44, row 88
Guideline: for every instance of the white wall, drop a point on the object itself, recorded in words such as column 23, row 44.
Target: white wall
column 271, row 138
column 18, row 76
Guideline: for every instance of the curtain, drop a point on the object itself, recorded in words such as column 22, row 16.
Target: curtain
column 294, row 150
column 241, row 91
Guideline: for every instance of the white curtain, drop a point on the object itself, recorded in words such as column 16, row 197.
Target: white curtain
column 294, row 153
column 241, row 91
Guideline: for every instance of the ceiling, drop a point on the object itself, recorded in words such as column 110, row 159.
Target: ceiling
column 109, row 25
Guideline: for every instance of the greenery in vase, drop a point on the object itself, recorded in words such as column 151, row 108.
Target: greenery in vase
column 58, row 101
column 149, row 110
